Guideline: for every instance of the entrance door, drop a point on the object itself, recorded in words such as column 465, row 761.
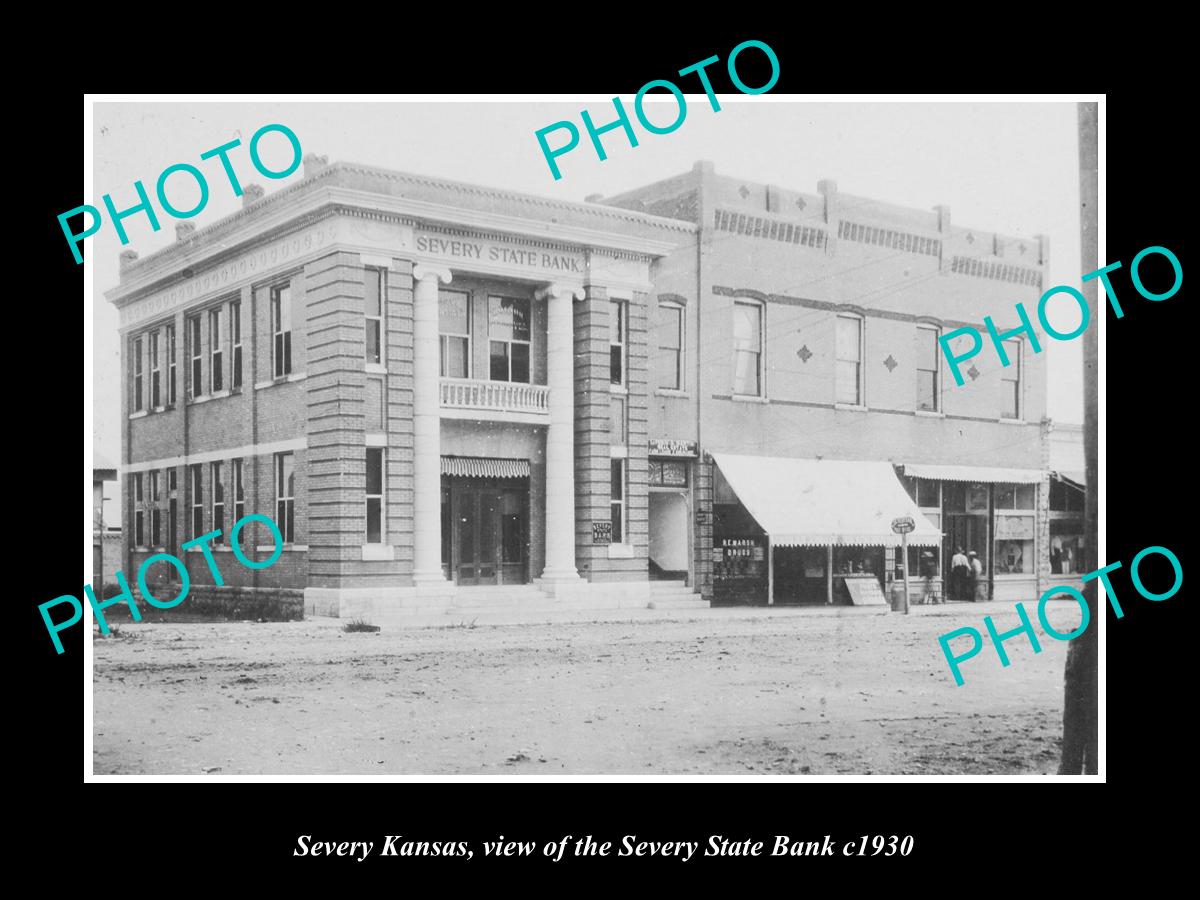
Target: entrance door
column 476, row 517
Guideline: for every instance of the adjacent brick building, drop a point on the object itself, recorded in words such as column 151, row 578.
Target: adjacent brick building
column 448, row 394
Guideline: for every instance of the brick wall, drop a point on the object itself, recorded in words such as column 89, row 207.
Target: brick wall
column 592, row 442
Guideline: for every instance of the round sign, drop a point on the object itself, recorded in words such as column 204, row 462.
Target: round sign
column 903, row 525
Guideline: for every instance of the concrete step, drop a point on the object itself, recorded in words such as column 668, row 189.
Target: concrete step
column 677, row 603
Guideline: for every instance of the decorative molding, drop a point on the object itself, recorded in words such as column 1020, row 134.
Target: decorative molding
column 423, row 270
column 246, row 450
column 891, row 363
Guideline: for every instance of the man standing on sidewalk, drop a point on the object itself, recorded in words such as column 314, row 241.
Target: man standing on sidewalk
column 976, row 577
column 960, row 574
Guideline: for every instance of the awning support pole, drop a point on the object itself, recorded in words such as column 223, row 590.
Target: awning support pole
column 829, row 577
column 770, row 573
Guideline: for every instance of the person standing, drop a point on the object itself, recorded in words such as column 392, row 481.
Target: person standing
column 976, row 577
column 960, row 574
column 928, row 595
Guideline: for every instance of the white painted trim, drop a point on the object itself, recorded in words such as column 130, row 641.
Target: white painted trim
column 374, row 369
column 376, row 439
column 620, row 551
column 378, row 552
column 377, row 260
column 494, row 415
column 246, row 450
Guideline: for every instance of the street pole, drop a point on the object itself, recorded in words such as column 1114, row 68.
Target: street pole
column 904, row 561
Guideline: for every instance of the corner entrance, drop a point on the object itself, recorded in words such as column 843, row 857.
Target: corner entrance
column 485, row 531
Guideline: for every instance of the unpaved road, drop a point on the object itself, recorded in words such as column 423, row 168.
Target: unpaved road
column 720, row 693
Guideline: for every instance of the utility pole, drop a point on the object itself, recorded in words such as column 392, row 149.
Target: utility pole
column 1080, row 682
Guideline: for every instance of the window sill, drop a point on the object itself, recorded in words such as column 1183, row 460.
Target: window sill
column 671, row 392
column 140, row 414
column 199, row 398
column 748, row 398
column 851, row 407
column 618, row 388
column 931, row 414
column 282, row 379
column 620, row 551
column 1004, row 421
column 618, row 451
column 375, row 369
column 270, row 548
column 378, row 552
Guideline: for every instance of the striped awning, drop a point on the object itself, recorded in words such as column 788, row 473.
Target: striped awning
column 484, row 467
column 982, row 474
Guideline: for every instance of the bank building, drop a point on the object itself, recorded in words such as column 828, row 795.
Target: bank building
column 705, row 390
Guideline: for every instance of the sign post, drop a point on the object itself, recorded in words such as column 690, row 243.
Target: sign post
column 902, row 526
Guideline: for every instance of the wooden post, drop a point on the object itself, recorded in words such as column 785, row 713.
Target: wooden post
column 904, row 561
column 770, row 573
column 829, row 577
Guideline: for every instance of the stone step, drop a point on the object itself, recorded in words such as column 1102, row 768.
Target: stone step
column 673, row 603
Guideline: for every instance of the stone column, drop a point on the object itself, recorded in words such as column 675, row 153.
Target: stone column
column 427, row 455
column 560, row 436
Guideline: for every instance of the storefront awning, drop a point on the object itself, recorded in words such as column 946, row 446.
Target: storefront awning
column 982, row 474
column 1073, row 478
column 817, row 502
column 484, row 467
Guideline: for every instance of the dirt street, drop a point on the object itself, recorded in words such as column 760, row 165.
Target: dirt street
column 723, row 692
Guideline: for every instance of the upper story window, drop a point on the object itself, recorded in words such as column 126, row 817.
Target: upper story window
column 137, row 373
column 849, row 360
column 747, row 348
column 454, row 327
column 216, row 367
column 196, row 379
column 670, row 346
column 617, row 327
column 509, row 335
column 1010, row 382
column 235, row 329
column 281, row 330
column 373, row 311
column 929, row 386
column 155, row 371
column 171, row 364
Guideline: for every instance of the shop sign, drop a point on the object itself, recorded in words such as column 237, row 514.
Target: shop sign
column 602, row 532
column 903, row 525
column 673, row 448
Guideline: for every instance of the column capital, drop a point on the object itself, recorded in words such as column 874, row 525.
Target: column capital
column 559, row 289
column 421, row 271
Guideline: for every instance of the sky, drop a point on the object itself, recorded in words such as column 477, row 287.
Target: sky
column 1010, row 167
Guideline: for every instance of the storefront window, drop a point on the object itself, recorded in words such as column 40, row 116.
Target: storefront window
column 668, row 473
column 1015, row 496
column 740, row 558
column 1014, row 557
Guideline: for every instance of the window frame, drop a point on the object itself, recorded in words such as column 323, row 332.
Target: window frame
column 368, row 497
column 509, row 342
column 152, row 344
column 378, row 318
column 760, row 353
column 938, row 392
column 285, row 504
column 196, row 499
column 679, row 310
column 217, row 500
column 281, row 336
column 238, row 477
column 216, row 359
column 1017, row 389
column 195, row 350
column 138, row 375
column 860, row 371
column 618, row 505
column 170, row 346
column 155, row 508
column 444, row 336
column 139, row 512
column 235, row 345
column 618, row 341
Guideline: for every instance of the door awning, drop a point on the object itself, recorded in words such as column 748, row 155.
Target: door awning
column 1073, row 477
column 982, row 474
column 816, row 502
column 484, row 467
